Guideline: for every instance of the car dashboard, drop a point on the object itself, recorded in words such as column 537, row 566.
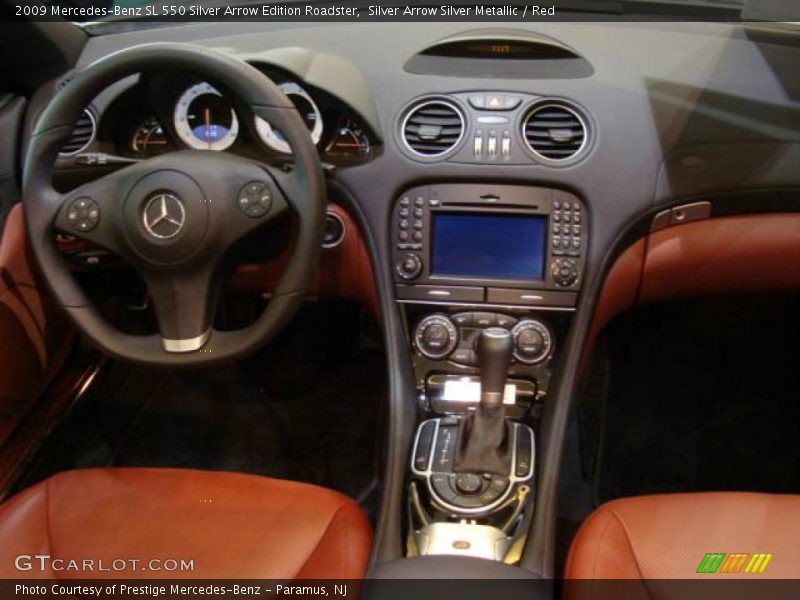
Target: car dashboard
column 537, row 178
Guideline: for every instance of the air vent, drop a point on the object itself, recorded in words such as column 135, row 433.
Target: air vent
column 82, row 135
column 555, row 132
column 432, row 128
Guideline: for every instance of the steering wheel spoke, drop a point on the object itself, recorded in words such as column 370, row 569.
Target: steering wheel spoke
column 257, row 202
column 91, row 212
column 184, row 308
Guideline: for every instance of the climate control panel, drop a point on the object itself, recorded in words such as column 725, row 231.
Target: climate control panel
column 453, row 337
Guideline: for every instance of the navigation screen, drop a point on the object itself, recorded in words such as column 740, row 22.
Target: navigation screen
column 488, row 246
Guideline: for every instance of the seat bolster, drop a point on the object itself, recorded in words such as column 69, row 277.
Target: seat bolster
column 343, row 550
column 24, row 532
column 227, row 525
column 601, row 549
column 667, row 536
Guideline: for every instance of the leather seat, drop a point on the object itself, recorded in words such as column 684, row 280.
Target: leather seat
column 230, row 525
column 667, row 537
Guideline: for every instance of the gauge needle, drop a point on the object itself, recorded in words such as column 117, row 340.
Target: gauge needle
column 207, row 118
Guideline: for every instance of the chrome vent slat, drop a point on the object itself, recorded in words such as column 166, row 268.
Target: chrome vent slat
column 82, row 134
column 555, row 131
column 544, row 124
column 432, row 128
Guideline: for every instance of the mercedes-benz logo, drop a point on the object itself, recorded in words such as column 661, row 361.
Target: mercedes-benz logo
column 164, row 216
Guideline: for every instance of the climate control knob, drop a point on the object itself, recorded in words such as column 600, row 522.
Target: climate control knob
column 409, row 266
column 436, row 336
column 533, row 341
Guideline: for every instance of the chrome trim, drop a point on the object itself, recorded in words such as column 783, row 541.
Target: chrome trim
column 180, row 118
column 482, row 305
column 340, row 239
column 165, row 215
column 512, row 478
column 186, row 345
column 445, row 322
column 414, row 107
column 565, row 105
column 275, row 141
column 463, row 539
column 548, row 339
column 91, row 137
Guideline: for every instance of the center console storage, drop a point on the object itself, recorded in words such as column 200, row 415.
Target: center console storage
column 487, row 278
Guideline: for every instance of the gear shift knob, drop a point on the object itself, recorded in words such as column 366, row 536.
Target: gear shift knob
column 494, row 355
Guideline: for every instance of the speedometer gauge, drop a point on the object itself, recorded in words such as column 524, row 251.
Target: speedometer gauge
column 205, row 119
column 308, row 111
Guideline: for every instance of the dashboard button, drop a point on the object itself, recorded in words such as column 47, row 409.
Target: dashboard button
column 409, row 266
column 83, row 214
column 462, row 319
column 477, row 101
column 440, row 293
column 464, row 356
column 441, row 485
column 505, row 321
column 495, row 102
column 524, row 453
column 483, row 319
column 468, row 483
column 424, row 443
column 515, row 297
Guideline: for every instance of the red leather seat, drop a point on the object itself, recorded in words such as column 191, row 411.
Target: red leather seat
column 667, row 537
column 230, row 525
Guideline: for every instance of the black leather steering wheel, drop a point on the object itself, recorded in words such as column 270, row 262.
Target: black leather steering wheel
column 175, row 216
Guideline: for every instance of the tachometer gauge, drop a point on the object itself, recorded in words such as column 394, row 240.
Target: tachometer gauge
column 205, row 119
column 148, row 139
column 308, row 110
column 350, row 141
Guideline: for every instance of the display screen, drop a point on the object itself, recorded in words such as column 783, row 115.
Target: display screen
column 488, row 246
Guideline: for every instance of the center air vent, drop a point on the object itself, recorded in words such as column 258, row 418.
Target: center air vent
column 432, row 128
column 82, row 134
column 555, row 132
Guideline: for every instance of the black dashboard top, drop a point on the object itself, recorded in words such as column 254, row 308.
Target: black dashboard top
column 668, row 109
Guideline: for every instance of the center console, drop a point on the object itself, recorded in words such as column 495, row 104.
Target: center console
column 487, row 278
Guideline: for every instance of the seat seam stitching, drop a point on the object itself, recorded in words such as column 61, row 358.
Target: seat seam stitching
column 625, row 532
column 47, row 527
column 319, row 540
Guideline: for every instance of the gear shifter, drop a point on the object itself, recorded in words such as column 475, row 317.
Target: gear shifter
column 483, row 446
column 494, row 355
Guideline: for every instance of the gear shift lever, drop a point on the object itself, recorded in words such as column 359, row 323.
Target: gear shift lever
column 483, row 436
column 494, row 355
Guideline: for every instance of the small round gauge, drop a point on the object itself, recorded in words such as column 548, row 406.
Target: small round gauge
column 308, row 110
column 350, row 141
column 148, row 139
column 205, row 119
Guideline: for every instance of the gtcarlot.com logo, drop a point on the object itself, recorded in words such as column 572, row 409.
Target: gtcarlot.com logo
column 715, row 563
column 47, row 563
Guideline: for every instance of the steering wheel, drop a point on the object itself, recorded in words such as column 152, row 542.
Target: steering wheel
column 175, row 216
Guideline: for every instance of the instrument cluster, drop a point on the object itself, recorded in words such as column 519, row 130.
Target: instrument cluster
column 168, row 112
